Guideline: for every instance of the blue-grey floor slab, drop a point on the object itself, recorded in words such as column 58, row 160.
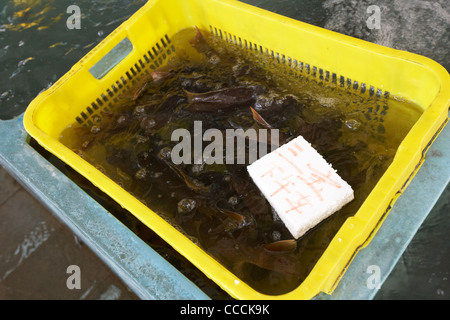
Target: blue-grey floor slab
column 143, row 270
column 423, row 271
column 36, row 251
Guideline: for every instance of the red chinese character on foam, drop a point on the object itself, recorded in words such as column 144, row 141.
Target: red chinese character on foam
column 317, row 178
column 289, row 162
column 284, row 184
column 311, row 184
column 313, row 179
column 325, row 178
column 298, row 203
column 271, row 172
column 295, row 150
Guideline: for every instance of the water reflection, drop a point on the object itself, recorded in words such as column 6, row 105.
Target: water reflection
column 423, row 271
column 37, row 48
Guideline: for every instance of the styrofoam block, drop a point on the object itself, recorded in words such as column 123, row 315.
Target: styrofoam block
column 300, row 185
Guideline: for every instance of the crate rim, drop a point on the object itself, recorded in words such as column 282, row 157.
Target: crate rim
column 317, row 281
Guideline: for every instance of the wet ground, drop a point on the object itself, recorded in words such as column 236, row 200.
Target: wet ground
column 36, row 250
column 36, row 48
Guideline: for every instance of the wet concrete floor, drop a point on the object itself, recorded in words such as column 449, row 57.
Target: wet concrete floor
column 37, row 250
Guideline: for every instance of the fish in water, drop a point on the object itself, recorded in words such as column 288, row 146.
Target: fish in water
column 217, row 205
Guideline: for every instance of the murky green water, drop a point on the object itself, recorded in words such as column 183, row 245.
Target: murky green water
column 37, row 48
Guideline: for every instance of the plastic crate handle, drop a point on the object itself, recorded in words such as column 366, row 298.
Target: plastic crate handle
column 111, row 59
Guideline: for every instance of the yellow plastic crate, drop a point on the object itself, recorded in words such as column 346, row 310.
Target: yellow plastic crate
column 143, row 43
